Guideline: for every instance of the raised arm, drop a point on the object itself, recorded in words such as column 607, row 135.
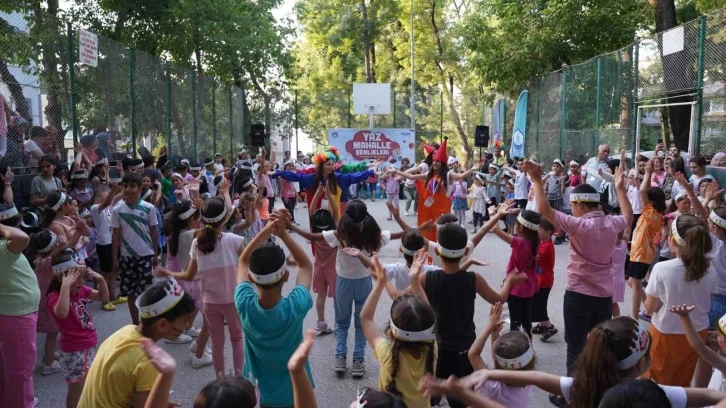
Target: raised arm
column 487, row 293
column 705, row 352
column 625, row 207
column 8, row 186
column 62, row 307
column 370, row 328
column 16, row 239
column 544, row 381
column 699, row 209
column 495, row 324
column 503, row 210
column 243, row 268
column 407, row 175
column 645, row 184
column 543, row 205
column 464, row 175
column 302, row 389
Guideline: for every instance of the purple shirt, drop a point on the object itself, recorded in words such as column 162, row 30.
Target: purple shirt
column 511, row 396
column 592, row 241
column 522, row 260
column 393, row 185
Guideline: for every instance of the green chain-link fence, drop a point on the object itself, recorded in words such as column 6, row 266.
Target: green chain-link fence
column 51, row 100
column 574, row 110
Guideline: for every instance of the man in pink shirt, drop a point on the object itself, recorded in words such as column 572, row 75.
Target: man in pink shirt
column 593, row 236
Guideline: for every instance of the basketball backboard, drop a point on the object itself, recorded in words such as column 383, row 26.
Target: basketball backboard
column 372, row 98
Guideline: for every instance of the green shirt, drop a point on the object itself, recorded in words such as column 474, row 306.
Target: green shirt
column 166, row 186
column 19, row 292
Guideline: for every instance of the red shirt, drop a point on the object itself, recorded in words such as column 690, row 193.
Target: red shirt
column 546, row 265
column 521, row 260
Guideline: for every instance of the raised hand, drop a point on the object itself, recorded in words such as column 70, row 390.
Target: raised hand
column 681, row 179
column 71, row 277
column 478, row 262
column 682, row 310
column 354, row 252
column 649, row 165
column 516, row 277
column 504, row 208
column 619, row 178
column 495, row 318
column 712, row 191
column 417, row 265
column 300, row 356
column 533, row 169
column 160, row 359
column 381, row 277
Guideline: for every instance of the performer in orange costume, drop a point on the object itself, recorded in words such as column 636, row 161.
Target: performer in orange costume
column 434, row 193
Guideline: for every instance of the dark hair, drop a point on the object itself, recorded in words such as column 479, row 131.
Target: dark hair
column 656, row 196
column 48, row 158
column 358, row 229
column 381, row 399
column 322, row 220
column 642, row 158
column 531, row 235
column 447, row 218
column 700, row 161
column 546, row 225
column 65, row 255
column 207, row 236
column 696, row 245
column 332, row 183
column 126, row 163
column 410, row 313
column 510, row 345
column 596, row 369
column 148, row 160
column 37, row 132
column 50, row 200
column 227, row 392
column 155, row 293
column 586, row 189
column 455, row 237
column 153, row 174
column 413, row 241
column 173, row 226
column 443, row 173
column 181, row 167
column 429, row 160
column 12, row 221
column 635, row 394
column 40, row 240
column 267, row 259
column 678, row 165
column 131, row 178
column 613, row 164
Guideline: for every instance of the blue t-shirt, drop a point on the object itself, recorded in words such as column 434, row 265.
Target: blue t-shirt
column 271, row 336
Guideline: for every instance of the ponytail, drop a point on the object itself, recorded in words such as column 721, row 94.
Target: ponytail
column 696, row 244
column 207, row 239
column 207, row 236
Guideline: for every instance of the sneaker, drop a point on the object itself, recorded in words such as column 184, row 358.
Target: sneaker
column 558, row 400
column 55, row 367
column 204, row 361
column 359, row 368
column 389, row 219
column 108, row 306
column 405, row 213
column 120, row 300
column 182, row 339
column 538, row 329
column 192, row 332
column 473, row 231
column 644, row 317
column 323, row 328
column 559, row 241
column 548, row 333
column 340, row 365
column 35, row 402
column 193, row 348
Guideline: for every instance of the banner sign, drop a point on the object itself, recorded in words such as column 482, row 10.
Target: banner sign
column 520, row 127
column 362, row 144
column 498, row 120
column 87, row 48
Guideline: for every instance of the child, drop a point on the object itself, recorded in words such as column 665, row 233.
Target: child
column 287, row 190
column 252, row 224
column 45, row 244
column 687, row 279
column 645, row 237
column 522, row 259
column 407, row 352
column 180, row 229
column 635, row 394
column 81, row 191
column 67, row 300
column 458, row 197
column 272, row 323
column 324, row 273
column 134, row 242
column 393, row 188
column 481, row 202
column 617, row 272
column 105, row 197
column 615, row 351
column 452, row 293
column 61, row 217
column 121, row 375
column 214, row 257
column 555, row 185
column 511, row 351
column 588, row 296
column 545, row 281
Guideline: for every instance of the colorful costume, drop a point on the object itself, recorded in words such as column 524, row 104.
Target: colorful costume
column 436, row 193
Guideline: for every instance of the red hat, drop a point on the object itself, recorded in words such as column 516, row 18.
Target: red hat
column 428, row 148
column 442, row 154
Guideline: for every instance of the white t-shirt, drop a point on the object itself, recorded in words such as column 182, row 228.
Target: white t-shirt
column 634, row 198
column 102, row 221
column 521, row 186
column 676, row 395
column 566, row 204
column 437, row 259
column 718, row 263
column 668, row 283
column 218, row 269
column 135, row 224
column 398, row 274
column 347, row 266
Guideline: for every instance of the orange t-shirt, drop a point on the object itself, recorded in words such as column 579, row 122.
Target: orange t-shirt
column 646, row 235
column 263, row 209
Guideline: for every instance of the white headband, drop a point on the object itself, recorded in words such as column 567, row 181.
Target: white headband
column 51, row 244
column 247, row 184
column 674, row 232
column 221, row 179
column 408, row 251
column 188, row 213
column 218, row 218
column 177, row 175
column 185, row 161
column 574, row 163
column 517, row 362
column 79, row 176
column 174, row 293
column 527, row 224
column 137, row 166
column 451, row 253
column 9, row 213
column 493, row 165
column 146, row 194
column 25, row 224
column 195, row 169
column 288, row 162
column 75, row 262
column 101, row 161
column 60, row 202
column 680, row 195
column 638, row 348
column 558, row 161
column 209, row 163
column 722, row 324
column 245, row 167
column 271, row 278
column 716, row 219
column 585, row 197
column 413, row 337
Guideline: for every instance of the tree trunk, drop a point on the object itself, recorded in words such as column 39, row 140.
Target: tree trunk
column 16, row 91
column 367, row 42
column 246, row 114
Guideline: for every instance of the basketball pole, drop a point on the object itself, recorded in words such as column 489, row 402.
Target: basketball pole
column 413, row 83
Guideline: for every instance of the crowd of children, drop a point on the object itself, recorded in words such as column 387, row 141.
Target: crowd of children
column 188, row 239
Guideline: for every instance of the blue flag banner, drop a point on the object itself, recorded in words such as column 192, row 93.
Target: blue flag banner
column 498, row 120
column 520, row 127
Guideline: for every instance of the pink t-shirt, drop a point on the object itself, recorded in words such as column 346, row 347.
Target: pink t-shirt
column 77, row 330
column 592, row 241
column 393, row 185
column 218, row 269
column 507, row 395
column 523, row 261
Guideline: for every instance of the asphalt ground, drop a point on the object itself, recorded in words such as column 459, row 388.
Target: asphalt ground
column 331, row 389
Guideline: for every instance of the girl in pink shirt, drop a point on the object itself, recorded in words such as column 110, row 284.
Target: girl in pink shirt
column 393, row 189
column 67, row 299
column 287, row 190
column 459, row 202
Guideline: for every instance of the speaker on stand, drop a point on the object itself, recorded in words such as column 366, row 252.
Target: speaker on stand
column 481, row 138
column 257, row 134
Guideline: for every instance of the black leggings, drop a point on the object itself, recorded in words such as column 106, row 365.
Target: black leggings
column 271, row 205
column 290, row 205
column 520, row 313
column 478, row 219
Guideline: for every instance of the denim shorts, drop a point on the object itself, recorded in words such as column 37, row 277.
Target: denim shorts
column 718, row 309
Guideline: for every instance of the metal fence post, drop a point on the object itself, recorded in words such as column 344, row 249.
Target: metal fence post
column 394, row 108
column 539, row 100
column 633, row 103
column 230, row 88
column 349, row 108
column 699, row 86
column 597, row 97
column 297, row 146
column 243, row 103
column 214, row 116
column 132, row 96
column 168, row 112
column 563, row 107
column 441, row 115
column 72, row 75
column 194, row 115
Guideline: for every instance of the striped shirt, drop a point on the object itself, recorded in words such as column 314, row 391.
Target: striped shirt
column 135, row 224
